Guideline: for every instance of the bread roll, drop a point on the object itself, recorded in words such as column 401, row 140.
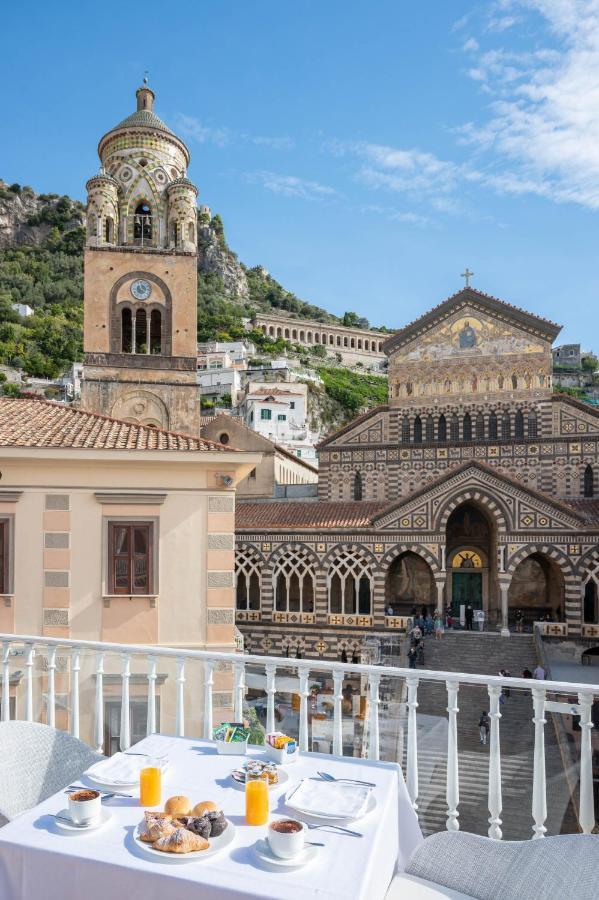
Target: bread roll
column 205, row 806
column 178, row 805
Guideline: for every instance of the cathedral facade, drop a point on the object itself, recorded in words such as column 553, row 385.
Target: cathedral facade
column 475, row 484
column 140, row 288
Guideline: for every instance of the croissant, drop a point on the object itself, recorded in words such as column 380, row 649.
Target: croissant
column 181, row 841
column 157, row 825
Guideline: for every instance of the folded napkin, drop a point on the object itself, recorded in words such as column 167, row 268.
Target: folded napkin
column 121, row 768
column 336, row 799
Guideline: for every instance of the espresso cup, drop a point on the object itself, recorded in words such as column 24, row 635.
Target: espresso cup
column 286, row 837
column 85, row 806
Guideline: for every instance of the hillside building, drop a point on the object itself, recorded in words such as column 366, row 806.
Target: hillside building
column 473, row 484
column 354, row 345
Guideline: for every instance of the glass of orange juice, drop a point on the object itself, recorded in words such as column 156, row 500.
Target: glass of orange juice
column 256, row 799
column 150, row 783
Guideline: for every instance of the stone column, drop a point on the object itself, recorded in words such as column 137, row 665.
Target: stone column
column 504, row 586
column 440, row 585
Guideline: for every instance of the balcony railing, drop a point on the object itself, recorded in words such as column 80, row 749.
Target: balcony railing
column 71, row 685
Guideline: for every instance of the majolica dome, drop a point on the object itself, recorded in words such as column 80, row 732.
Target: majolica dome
column 182, row 181
column 144, row 119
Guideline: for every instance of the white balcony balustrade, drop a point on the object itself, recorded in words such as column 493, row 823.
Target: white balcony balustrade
column 111, row 695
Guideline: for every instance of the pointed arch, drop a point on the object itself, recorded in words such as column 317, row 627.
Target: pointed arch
column 350, row 584
column 405, row 430
column 442, row 428
column 357, row 488
column 532, row 423
column 430, row 428
column 480, row 427
column 248, row 567
column 454, row 428
column 588, row 482
column 492, row 425
column 519, row 424
column 294, row 581
column 417, row 430
column 467, row 427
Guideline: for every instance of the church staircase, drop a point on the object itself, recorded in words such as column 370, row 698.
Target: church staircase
column 485, row 653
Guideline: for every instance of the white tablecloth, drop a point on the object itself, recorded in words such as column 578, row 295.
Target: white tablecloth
column 40, row 862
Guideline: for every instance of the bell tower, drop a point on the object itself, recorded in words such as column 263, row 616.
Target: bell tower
column 140, row 277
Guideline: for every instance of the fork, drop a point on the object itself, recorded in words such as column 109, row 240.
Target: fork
column 327, row 777
column 337, row 827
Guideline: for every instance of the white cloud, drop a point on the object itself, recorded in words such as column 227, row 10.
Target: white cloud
column 470, row 44
column 193, row 128
column 543, row 128
column 292, row 186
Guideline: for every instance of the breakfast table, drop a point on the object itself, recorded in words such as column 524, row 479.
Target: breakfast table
column 38, row 859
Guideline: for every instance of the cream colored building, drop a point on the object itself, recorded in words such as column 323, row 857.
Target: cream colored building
column 279, row 468
column 117, row 532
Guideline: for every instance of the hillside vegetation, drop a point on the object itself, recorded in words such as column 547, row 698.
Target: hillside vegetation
column 41, row 265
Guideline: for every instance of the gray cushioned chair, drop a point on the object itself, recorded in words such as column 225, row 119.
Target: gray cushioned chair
column 36, row 761
column 459, row 865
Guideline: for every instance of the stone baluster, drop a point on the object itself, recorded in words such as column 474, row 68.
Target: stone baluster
column 412, row 755
column 304, row 676
column 75, row 669
column 208, row 685
column 586, row 814
column 99, row 705
column 539, row 786
column 338, row 676
column 239, row 691
column 151, row 677
column 125, row 736
column 271, row 689
column 5, row 681
column 495, row 801
column 51, row 703
column 373, row 715
column 29, row 682
column 453, row 775
column 180, row 709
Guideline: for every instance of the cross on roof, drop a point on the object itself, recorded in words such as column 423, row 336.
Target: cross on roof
column 467, row 274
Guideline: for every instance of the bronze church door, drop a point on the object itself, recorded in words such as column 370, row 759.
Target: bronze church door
column 466, row 588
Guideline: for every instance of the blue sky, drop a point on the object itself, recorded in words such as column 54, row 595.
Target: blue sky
column 363, row 152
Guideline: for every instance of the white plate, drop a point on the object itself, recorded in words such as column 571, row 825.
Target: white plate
column 333, row 820
column 283, row 779
column 118, row 785
column 71, row 828
column 216, row 845
column 265, row 854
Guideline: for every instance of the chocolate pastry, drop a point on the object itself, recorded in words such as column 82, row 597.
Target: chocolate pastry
column 217, row 822
column 197, row 825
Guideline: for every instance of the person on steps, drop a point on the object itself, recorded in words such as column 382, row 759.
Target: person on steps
column 469, row 617
column 483, row 727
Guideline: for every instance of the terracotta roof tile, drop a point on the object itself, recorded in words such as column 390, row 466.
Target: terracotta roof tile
column 306, row 514
column 41, row 423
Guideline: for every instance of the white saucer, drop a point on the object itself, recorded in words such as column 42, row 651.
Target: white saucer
column 216, row 845
column 265, row 854
column 71, row 828
column 332, row 820
column 283, row 779
column 119, row 785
